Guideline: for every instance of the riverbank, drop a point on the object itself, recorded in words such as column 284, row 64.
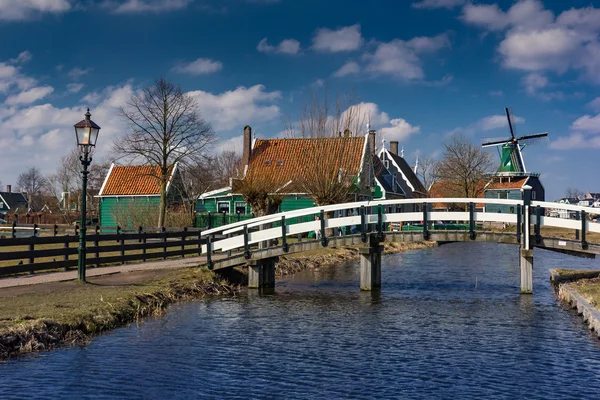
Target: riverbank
column 580, row 290
column 46, row 316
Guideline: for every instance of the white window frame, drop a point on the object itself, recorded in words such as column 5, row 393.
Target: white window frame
column 224, row 202
column 238, row 203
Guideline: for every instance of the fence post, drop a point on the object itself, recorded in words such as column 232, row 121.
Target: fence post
column 425, row 222
column 209, row 262
column 519, row 215
column 239, row 216
column 323, row 235
column 472, row 221
column 584, row 243
column 246, row 245
column 35, row 226
column 209, row 222
column 363, row 224
column 199, row 242
column 76, row 230
column 538, row 224
column 55, row 230
column 97, row 244
column 526, row 218
column 164, row 234
column 284, row 235
column 577, row 218
column 224, row 219
column 122, row 243
column 13, row 231
column 183, row 236
column 31, row 257
column 66, row 256
column 379, row 223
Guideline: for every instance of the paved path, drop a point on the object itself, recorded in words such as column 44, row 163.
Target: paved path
column 71, row 275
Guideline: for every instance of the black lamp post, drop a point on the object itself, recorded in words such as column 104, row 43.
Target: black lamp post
column 86, row 132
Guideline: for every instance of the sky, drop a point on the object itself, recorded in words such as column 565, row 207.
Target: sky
column 424, row 70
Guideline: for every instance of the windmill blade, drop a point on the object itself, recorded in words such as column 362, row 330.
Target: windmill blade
column 495, row 142
column 529, row 139
column 511, row 122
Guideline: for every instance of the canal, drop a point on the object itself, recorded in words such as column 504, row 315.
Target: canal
column 448, row 323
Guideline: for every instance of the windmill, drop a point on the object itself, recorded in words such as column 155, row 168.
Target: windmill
column 510, row 150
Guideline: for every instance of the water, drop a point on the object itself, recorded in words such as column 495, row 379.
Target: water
column 430, row 333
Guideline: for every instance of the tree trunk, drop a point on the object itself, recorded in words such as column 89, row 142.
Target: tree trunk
column 163, row 204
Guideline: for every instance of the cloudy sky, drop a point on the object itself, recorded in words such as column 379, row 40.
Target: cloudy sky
column 424, row 70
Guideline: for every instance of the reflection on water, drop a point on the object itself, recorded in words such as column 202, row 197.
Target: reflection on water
column 448, row 323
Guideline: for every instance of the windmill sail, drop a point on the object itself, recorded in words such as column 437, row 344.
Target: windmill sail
column 510, row 149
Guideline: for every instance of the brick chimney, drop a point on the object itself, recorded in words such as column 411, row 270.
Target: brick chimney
column 247, row 149
column 372, row 141
column 8, row 188
column 394, row 147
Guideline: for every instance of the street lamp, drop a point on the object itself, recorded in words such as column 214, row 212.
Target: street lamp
column 86, row 132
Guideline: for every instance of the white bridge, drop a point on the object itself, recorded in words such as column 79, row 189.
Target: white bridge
column 373, row 219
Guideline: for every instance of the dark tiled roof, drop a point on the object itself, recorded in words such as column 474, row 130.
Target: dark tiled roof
column 129, row 180
column 381, row 173
column 280, row 161
column 409, row 174
column 14, row 200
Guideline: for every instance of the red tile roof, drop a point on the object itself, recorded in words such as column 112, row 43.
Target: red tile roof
column 441, row 189
column 130, row 180
column 283, row 160
column 505, row 184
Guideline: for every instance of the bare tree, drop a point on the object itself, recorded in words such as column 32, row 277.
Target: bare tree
column 227, row 165
column 574, row 193
column 326, row 176
column 427, row 171
column 165, row 127
column 463, row 167
column 259, row 193
column 35, row 184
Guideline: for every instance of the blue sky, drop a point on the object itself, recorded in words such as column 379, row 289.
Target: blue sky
column 424, row 70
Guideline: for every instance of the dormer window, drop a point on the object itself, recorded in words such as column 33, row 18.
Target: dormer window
column 279, row 163
column 267, row 162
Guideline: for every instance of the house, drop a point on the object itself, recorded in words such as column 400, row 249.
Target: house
column 593, row 196
column 510, row 187
column 404, row 174
column 135, row 189
column 446, row 189
column 11, row 202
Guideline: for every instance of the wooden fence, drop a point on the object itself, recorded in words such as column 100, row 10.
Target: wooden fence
column 48, row 248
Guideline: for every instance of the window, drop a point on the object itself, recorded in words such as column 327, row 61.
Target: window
column 268, row 162
column 386, row 163
column 503, row 195
column 279, row 163
column 240, row 207
column 1, row 204
column 223, row 207
column 533, row 195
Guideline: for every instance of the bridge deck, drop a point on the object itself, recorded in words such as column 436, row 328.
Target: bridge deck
column 554, row 244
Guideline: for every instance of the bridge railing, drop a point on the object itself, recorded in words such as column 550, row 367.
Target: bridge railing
column 372, row 215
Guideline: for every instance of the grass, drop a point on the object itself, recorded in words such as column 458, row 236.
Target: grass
column 552, row 232
column 589, row 289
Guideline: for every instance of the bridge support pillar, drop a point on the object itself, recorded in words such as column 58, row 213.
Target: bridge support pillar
column 370, row 266
column 261, row 273
column 526, row 258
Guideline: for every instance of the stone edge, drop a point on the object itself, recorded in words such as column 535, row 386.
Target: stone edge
column 575, row 301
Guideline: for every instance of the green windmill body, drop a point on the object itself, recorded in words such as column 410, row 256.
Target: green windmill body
column 510, row 150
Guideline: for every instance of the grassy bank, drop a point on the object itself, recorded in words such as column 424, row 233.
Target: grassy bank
column 589, row 289
column 41, row 317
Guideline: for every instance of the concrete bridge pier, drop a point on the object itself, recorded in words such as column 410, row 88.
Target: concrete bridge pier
column 370, row 266
column 261, row 273
column 526, row 257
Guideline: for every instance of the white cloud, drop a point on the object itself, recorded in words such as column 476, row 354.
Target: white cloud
column 232, row 144
column 19, row 10
column 22, row 58
column 400, row 58
column 587, row 124
column 431, row 4
column 575, row 141
column 347, row 38
column 350, row 68
column 286, row 46
column 595, row 104
column 200, row 66
column 29, row 96
column 74, row 87
column 533, row 82
column 399, row 130
column 485, row 124
column 536, row 41
column 77, row 72
column 141, row 6
column 235, row 108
